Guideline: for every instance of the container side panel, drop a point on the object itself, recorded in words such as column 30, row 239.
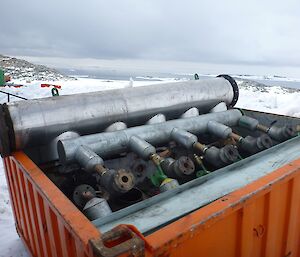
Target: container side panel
column 79, row 249
column 41, row 248
column 261, row 219
column 23, row 226
column 61, row 234
column 42, row 224
column 276, row 219
column 25, row 202
column 207, row 241
column 57, row 238
column 31, row 217
column 247, row 220
column 259, row 227
column 49, row 227
column 68, row 246
column 293, row 224
column 11, row 189
column 48, row 223
column 286, row 230
column 10, row 174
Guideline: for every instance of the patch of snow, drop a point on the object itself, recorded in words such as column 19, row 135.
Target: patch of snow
column 270, row 99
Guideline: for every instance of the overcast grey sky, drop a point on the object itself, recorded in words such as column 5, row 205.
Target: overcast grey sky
column 228, row 32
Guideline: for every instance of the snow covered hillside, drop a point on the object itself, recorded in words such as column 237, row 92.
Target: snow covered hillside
column 252, row 96
column 18, row 68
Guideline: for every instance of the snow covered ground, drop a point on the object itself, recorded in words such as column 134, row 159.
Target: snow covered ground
column 34, row 89
column 273, row 99
column 269, row 99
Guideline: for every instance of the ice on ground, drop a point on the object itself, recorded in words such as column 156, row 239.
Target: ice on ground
column 81, row 85
column 268, row 99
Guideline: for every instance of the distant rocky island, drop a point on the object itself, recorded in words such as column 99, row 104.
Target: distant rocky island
column 24, row 70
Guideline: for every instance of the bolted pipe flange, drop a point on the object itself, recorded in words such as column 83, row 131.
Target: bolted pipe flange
column 123, row 180
column 229, row 154
column 221, row 157
column 181, row 168
column 184, row 166
column 281, row 134
column 264, row 142
column 234, row 87
column 82, row 194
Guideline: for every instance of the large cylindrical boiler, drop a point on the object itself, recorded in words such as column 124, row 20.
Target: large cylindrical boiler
column 37, row 122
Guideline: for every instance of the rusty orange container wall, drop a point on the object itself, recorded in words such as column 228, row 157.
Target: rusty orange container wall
column 48, row 223
column 261, row 219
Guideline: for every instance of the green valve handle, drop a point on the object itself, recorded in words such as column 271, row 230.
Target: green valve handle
column 203, row 170
column 54, row 91
column 158, row 177
column 201, row 173
column 240, row 157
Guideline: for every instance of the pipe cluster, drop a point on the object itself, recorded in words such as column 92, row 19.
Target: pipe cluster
column 184, row 157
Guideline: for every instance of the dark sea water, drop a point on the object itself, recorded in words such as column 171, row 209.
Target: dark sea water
column 287, row 84
column 116, row 75
column 154, row 76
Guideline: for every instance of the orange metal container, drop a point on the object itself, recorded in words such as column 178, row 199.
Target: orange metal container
column 261, row 219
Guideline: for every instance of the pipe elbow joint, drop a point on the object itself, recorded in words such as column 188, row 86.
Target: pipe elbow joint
column 248, row 123
column 180, row 168
column 221, row 157
column 184, row 138
column 281, row 134
column 141, row 147
column 117, row 181
column 87, row 158
column 254, row 145
column 218, row 129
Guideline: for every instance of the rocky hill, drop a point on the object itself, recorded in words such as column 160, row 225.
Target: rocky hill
column 21, row 69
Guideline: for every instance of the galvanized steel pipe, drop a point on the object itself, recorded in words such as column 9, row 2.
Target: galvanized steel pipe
column 37, row 122
column 110, row 143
